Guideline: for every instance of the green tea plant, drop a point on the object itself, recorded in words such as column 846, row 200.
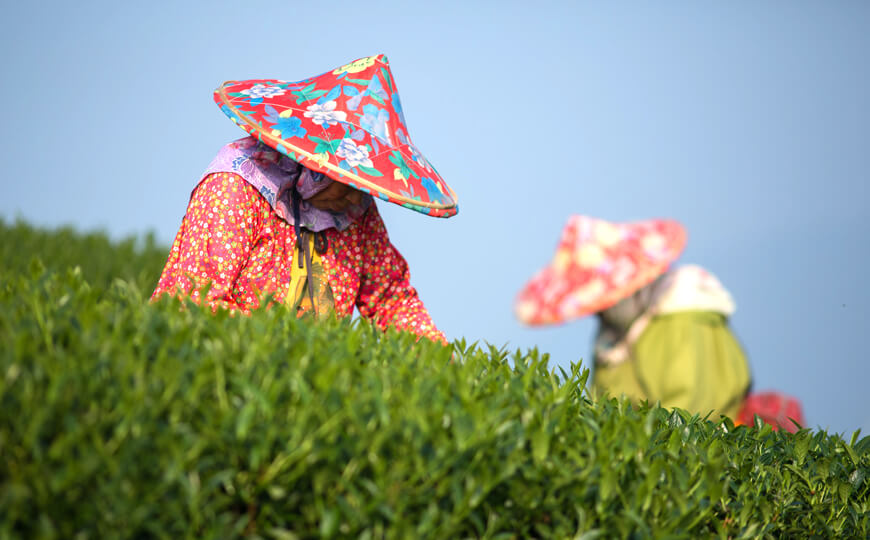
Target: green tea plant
column 101, row 261
column 122, row 418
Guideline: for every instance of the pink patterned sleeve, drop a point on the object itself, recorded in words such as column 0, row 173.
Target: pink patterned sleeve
column 386, row 295
column 214, row 242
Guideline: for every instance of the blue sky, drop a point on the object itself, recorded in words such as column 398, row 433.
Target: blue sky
column 747, row 121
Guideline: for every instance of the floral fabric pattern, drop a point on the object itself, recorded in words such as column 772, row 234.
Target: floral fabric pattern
column 325, row 114
column 598, row 263
column 232, row 238
column 348, row 124
column 260, row 91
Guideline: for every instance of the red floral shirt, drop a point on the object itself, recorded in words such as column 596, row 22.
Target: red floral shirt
column 231, row 238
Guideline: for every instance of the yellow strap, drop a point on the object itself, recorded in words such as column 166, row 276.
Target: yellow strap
column 299, row 277
column 297, row 292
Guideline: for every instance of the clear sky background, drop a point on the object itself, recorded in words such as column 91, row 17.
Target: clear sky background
column 747, row 121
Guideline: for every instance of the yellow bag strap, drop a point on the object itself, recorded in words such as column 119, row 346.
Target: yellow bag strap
column 299, row 274
column 306, row 270
column 309, row 289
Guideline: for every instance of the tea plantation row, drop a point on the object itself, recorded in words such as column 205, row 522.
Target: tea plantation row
column 120, row 418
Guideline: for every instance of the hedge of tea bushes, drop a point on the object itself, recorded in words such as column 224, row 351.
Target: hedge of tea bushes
column 137, row 259
column 125, row 419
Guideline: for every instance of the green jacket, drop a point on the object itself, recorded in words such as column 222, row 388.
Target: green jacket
column 688, row 359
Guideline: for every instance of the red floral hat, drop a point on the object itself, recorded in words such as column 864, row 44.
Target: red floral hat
column 347, row 124
column 597, row 264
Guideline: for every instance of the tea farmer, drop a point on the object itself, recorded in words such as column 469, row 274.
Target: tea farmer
column 663, row 332
column 289, row 210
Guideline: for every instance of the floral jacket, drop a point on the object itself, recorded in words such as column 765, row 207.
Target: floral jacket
column 232, row 239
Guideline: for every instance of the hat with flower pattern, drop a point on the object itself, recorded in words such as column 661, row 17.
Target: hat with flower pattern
column 597, row 264
column 347, row 124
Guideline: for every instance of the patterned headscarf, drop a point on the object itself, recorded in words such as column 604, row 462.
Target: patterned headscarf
column 272, row 174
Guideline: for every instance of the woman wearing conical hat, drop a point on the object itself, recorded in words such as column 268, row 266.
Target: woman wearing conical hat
column 663, row 332
column 289, row 210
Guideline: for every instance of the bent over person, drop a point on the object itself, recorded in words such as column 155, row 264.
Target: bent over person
column 290, row 210
column 663, row 332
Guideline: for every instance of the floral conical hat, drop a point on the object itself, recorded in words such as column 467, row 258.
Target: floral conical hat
column 346, row 123
column 597, row 264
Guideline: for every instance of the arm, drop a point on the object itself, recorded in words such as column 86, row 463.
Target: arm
column 214, row 242
column 386, row 295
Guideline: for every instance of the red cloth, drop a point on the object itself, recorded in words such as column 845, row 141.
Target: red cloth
column 773, row 408
column 230, row 237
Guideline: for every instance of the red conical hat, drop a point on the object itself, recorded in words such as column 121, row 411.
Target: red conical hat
column 347, row 124
column 597, row 264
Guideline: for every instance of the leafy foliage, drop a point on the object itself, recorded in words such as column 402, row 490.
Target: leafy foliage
column 122, row 418
column 138, row 260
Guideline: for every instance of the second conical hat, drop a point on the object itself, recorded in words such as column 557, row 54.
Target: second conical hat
column 598, row 263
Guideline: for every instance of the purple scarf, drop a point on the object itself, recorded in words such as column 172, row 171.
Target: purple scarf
column 273, row 174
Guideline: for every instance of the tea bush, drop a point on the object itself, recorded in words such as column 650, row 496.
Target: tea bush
column 120, row 418
column 139, row 260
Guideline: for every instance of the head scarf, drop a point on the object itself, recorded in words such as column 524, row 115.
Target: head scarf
column 273, row 174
